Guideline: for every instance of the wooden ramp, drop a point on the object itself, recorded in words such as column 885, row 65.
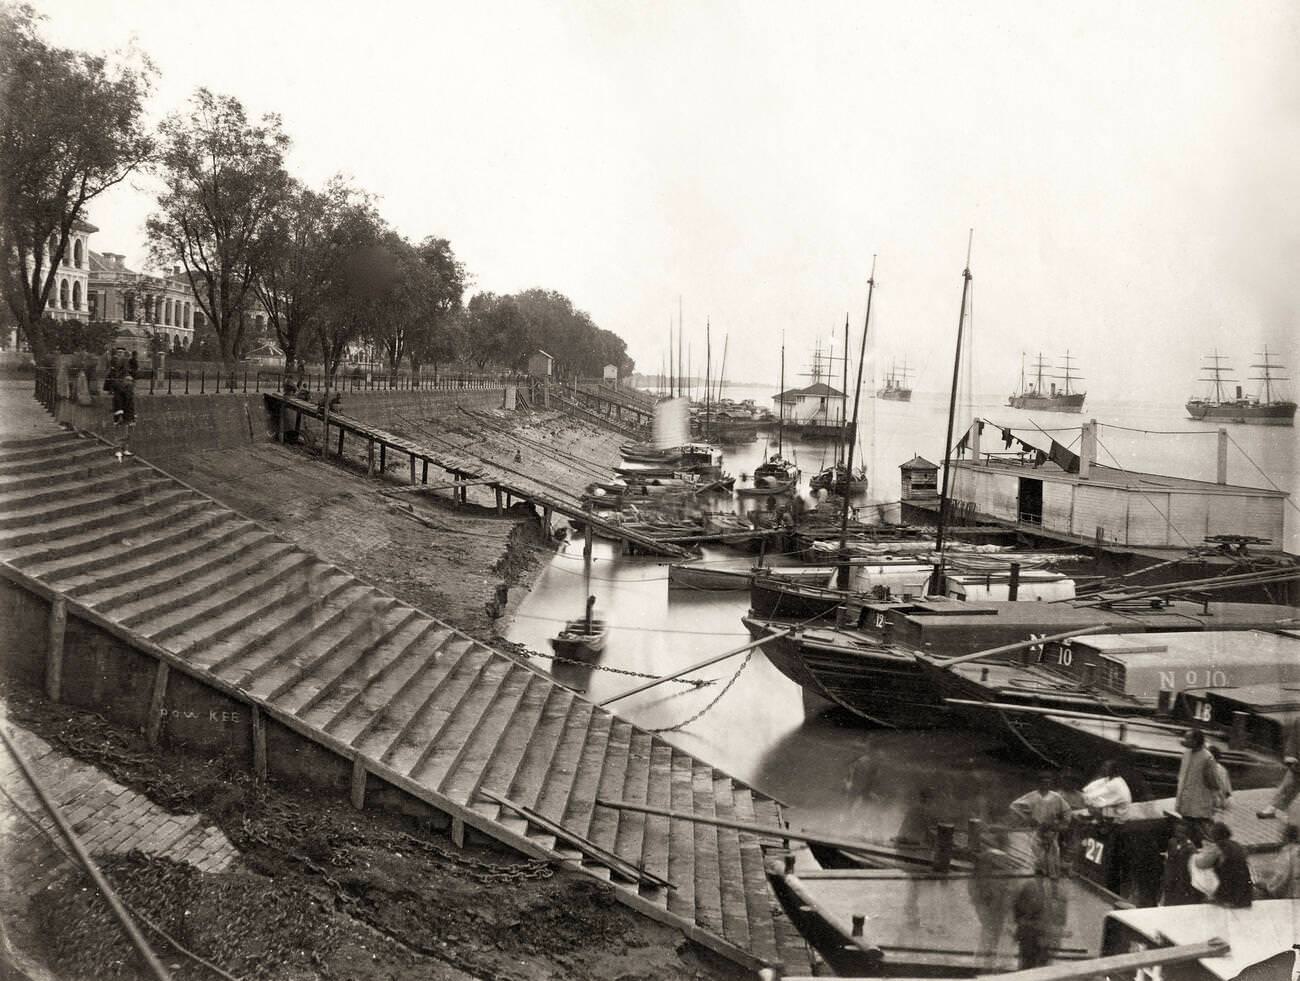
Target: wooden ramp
column 405, row 699
column 470, row 471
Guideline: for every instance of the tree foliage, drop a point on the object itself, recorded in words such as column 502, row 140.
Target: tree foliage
column 70, row 128
column 224, row 181
column 508, row 329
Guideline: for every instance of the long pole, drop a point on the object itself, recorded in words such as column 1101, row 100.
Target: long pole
column 672, row 385
column 680, row 376
column 844, row 403
column 780, row 405
column 708, row 367
column 722, row 372
column 765, row 639
column 842, row 573
column 952, row 411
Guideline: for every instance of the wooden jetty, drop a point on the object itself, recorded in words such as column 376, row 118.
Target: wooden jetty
column 128, row 591
column 465, row 472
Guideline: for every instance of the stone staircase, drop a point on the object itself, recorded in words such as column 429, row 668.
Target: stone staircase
column 401, row 695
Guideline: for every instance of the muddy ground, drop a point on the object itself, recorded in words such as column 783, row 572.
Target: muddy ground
column 328, row 892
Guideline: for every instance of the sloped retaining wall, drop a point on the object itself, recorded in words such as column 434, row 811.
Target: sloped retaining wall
column 177, row 424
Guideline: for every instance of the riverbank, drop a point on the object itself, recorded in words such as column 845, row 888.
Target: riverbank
column 321, row 890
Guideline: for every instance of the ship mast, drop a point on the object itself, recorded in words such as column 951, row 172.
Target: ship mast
column 952, row 411
column 842, row 573
column 844, row 402
column 1217, row 371
column 780, row 403
column 1268, row 377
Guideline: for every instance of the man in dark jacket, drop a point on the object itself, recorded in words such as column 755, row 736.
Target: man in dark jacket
column 121, row 383
column 1228, row 859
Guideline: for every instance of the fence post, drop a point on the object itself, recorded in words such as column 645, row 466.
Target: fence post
column 169, row 380
column 203, row 380
column 245, row 381
column 187, row 381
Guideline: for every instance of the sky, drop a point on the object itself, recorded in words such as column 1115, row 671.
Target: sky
column 1129, row 170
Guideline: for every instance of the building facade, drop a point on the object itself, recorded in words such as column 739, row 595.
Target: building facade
column 69, row 298
column 141, row 305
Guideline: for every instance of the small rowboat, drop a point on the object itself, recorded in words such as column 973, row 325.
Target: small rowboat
column 775, row 489
column 581, row 639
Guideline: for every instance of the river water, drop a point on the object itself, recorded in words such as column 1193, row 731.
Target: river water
column 834, row 775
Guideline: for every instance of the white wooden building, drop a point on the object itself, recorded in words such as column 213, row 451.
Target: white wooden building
column 1114, row 506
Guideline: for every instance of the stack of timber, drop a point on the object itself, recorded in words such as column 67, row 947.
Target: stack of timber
column 170, row 601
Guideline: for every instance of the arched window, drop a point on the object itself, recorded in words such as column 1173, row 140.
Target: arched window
column 167, row 312
column 78, row 254
column 128, row 306
column 63, row 294
column 76, row 295
column 189, row 317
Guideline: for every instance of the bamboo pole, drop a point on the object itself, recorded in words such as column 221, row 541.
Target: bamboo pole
column 777, row 635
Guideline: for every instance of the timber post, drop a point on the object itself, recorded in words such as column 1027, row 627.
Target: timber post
column 259, row 745
column 370, row 458
column 54, row 653
column 943, row 840
column 358, row 794
column 157, row 703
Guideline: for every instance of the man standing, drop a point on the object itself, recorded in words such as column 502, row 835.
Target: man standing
column 1198, row 781
column 121, row 383
column 1033, row 912
column 1290, row 785
column 1048, row 812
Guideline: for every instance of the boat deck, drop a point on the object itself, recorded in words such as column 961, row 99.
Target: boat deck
column 331, row 676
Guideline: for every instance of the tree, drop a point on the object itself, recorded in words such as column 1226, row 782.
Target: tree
column 295, row 261
column 224, row 180
column 70, row 128
column 439, row 337
column 360, row 272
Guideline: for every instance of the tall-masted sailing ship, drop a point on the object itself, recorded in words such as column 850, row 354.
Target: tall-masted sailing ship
column 1259, row 410
column 896, row 388
column 1035, row 395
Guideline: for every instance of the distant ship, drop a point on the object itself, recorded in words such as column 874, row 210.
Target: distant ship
column 1051, row 398
column 1265, row 411
column 896, row 388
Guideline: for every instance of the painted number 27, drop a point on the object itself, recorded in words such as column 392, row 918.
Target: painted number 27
column 1092, row 850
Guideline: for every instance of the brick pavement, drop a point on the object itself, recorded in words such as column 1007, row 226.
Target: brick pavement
column 110, row 819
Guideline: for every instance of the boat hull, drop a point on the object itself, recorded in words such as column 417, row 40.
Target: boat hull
column 1268, row 414
column 1049, row 403
column 693, row 577
column 895, row 394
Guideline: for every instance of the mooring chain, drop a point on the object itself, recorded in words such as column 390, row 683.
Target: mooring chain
column 717, row 698
column 693, row 682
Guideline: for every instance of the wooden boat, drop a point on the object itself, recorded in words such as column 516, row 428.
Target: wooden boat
column 581, row 639
column 1115, row 676
column 834, row 479
column 688, row 576
column 858, row 920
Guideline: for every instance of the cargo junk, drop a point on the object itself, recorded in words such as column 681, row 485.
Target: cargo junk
column 1033, row 395
column 1251, row 409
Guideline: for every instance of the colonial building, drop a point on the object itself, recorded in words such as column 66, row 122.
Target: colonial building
column 144, row 305
column 69, row 296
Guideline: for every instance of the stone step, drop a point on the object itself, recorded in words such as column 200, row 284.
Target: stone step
column 55, row 438
column 762, row 937
column 707, row 851
column 413, row 719
column 274, row 596
column 162, row 626
column 37, row 498
column 122, row 495
column 152, row 575
column 497, row 745
column 527, row 781
column 76, row 544
column 545, row 701
column 364, row 709
column 738, row 909
column 84, row 468
column 655, row 830
column 46, row 456
column 105, row 569
column 602, row 822
column 358, row 618
column 494, row 692
column 339, row 679
column 681, row 838
column 575, row 811
column 187, row 590
column 553, row 795
column 155, row 496
column 629, row 826
column 306, row 618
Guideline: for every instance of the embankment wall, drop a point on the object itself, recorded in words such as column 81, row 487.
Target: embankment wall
column 169, row 425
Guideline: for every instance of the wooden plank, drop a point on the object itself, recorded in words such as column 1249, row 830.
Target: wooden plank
column 358, row 794
column 157, row 703
column 259, row 744
column 681, row 837
column 654, row 845
column 737, row 906
column 58, row 625
column 708, row 865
